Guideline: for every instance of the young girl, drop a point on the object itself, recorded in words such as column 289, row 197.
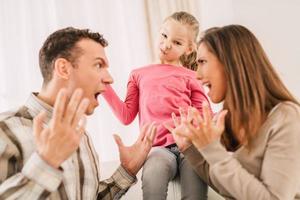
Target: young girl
column 261, row 130
column 157, row 90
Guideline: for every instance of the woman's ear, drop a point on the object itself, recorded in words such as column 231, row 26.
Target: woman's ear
column 62, row 68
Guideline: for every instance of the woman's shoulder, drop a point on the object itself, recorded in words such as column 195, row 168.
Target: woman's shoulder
column 288, row 109
column 285, row 115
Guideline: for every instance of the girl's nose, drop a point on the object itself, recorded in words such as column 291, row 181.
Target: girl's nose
column 167, row 45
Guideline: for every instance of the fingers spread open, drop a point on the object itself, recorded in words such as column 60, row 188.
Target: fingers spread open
column 150, row 133
column 118, row 141
column 182, row 115
column 190, row 114
column 182, row 131
column 175, row 119
column 72, row 106
column 190, row 129
column 80, row 128
column 197, row 118
column 59, row 106
column 153, row 133
column 221, row 120
column 206, row 114
column 186, row 130
column 143, row 131
column 168, row 127
column 80, row 111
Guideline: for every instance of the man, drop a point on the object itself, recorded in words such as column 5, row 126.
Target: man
column 45, row 152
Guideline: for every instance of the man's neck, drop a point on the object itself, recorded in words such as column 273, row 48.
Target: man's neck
column 47, row 95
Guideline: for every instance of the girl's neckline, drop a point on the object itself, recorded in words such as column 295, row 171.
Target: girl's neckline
column 171, row 65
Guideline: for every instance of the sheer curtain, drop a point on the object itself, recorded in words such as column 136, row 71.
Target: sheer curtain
column 25, row 26
column 129, row 26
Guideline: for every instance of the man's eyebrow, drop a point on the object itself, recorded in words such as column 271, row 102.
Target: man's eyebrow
column 102, row 60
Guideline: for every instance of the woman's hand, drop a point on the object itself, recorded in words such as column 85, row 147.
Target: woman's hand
column 178, row 125
column 200, row 130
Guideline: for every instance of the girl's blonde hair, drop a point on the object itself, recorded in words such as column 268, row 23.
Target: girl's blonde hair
column 188, row 61
column 253, row 86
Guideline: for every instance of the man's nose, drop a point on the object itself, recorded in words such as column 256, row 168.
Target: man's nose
column 108, row 78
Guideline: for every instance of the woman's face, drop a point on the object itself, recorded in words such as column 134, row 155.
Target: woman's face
column 212, row 74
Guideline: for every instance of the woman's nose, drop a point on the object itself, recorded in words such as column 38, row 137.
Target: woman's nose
column 199, row 73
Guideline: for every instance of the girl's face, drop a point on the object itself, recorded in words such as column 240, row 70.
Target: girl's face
column 212, row 74
column 175, row 40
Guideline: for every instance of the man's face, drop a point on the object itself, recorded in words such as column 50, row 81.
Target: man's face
column 90, row 72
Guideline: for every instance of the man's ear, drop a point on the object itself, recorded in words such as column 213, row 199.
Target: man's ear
column 62, row 68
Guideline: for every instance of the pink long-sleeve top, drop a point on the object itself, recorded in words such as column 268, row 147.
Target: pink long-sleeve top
column 155, row 91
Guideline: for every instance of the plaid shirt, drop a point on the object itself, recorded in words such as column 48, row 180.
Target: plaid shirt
column 24, row 175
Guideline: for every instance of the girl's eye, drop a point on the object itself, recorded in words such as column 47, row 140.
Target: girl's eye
column 164, row 35
column 177, row 43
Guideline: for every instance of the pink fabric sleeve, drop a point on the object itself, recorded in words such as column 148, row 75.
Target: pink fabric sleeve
column 198, row 96
column 125, row 111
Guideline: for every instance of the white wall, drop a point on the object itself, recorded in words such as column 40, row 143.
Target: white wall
column 274, row 22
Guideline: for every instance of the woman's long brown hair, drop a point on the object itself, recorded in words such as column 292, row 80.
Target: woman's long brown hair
column 253, row 86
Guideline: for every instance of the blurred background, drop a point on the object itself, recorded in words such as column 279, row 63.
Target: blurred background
column 131, row 27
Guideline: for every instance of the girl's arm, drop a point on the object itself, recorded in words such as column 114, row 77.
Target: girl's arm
column 198, row 95
column 125, row 111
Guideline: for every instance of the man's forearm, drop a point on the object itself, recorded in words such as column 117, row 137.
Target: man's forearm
column 116, row 186
column 35, row 181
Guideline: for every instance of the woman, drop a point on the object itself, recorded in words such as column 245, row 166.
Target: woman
column 253, row 152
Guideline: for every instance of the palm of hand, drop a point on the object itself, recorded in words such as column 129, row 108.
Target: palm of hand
column 134, row 155
column 182, row 142
column 201, row 130
column 204, row 135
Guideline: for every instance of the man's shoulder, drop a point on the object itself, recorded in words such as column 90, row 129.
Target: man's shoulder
column 8, row 114
column 20, row 114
